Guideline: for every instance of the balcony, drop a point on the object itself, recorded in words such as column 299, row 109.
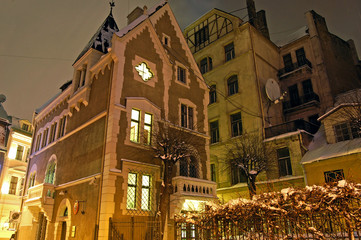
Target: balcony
column 291, row 126
column 41, row 198
column 301, row 102
column 188, row 186
column 301, row 67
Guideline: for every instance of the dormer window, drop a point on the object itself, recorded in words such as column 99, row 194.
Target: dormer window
column 80, row 77
column 345, row 131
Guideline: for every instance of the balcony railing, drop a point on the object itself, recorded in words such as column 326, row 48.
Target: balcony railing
column 41, row 196
column 300, row 101
column 194, row 186
column 294, row 66
column 291, row 126
column 43, row 192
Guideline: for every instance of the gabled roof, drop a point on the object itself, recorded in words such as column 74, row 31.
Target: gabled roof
column 102, row 38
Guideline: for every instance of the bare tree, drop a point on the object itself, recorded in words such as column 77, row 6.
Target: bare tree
column 248, row 153
column 170, row 144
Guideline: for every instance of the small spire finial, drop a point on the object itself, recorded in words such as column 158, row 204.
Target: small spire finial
column 112, row 4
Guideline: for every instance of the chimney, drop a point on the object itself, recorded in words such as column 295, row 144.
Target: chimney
column 257, row 19
column 252, row 15
column 137, row 12
column 262, row 23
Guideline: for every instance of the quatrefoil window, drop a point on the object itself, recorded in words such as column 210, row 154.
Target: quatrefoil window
column 144, row 71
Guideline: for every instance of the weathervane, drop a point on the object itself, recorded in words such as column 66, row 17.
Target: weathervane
column 112, row 4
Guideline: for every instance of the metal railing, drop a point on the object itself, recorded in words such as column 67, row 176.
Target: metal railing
column 135, row 229
column 294, row 66
column 300, row 101
column 291, row 126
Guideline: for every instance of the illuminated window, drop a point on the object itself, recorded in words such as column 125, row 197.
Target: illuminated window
column 13, row 185
column 145, row 202
column 139, row 192
column 188, row 231
column 19, row 153
column 134, row 125
column 147, row 128
column 284, row 162
column 236, row 124
column 229, row 52
column 181, row 74
column 232, row 84
column 132, row 191
column 50, row 173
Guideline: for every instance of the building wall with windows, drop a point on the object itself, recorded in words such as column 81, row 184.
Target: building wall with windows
column 237, row 60
column 13, row 173
column 335, row 151
column 92, row 156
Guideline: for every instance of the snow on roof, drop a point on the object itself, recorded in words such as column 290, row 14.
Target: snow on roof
column 303, row 31
column 38, row 110
column 289, row 134
column 140, row 19
column 332, row 150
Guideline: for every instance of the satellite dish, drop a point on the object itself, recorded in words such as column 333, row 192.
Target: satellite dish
column 2, row 98
column 273, row 90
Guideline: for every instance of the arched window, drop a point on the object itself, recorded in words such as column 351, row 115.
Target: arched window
column 32, row 179
column 50, row 173
column 212, row 94
column 188, row 167
column 232, row 84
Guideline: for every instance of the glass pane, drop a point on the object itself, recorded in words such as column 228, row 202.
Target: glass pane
column 145, row 181
column 148, row 118
column 131, row 197
column 135, row 114
column 145, row 198
column 134, row 129
column 132, row 179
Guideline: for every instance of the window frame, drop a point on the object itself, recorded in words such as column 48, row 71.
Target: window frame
column 236, row 122
column 287, row 169
column 13, row 185
column 134, row 137
column 213, row 94
column 344, row 132
column 339, row 175
column 181, row 74
column 232, row 85
column 205, row 65
column 20, row 153
column 148, row 137
column 229, row 52
column 133, row 199
column 214, row 131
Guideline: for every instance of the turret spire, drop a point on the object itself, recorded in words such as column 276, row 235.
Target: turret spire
column 112, row 4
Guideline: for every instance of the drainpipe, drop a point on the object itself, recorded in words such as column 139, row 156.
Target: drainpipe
column 257, row 81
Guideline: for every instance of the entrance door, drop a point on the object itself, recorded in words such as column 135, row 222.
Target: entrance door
column 63, row 231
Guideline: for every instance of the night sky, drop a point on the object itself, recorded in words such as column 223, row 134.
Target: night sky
column 40, row 39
